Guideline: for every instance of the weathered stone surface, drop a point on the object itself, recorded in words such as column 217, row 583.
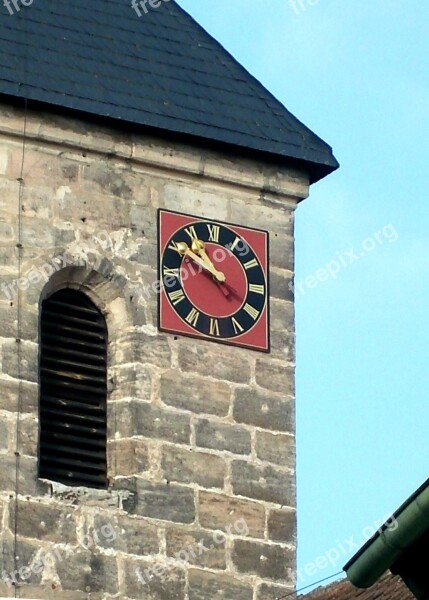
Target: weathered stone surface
column 9, row 321
column 9, row 395
column 197, row 394
column 145, row 253
column 6, row 590
column 220, row 436
column 164, row 501
column 131, row 381
column 25, row 569
column 273, row 592
column 28, row 436
column 206, row 202
column 274, row 376
column 51, row 592
column 282, row 330
column 27, row 480
column 221, row 363
column 234, row 515
column 263, row 483
column 276, row 448
column 140, row 418
column 115, row 182
column 203, row 585
column 278, row 221
column 127, row 457
column 282, row 525
column 258, row 408
column 138, row 347
column 268, row 561
column 8, row 257
column 282, row 251
column 281, row 285
column 29, row 360
column 88, row 572
column 283, row 345
column 187, row 466
column 4, row 435
column 132, row 535
column 37, row 232
column 196, row 547
column 44, row 521
column 153, row 580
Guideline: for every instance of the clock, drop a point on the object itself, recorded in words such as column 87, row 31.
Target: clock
column 214, row 280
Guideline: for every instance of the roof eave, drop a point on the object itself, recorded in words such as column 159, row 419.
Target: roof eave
column 391, row 541
column 316, row 170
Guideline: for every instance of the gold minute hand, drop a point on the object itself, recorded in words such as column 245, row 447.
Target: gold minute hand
column 184, row 250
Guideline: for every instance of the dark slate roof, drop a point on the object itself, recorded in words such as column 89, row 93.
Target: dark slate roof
column 388, row 587
column 160, row 70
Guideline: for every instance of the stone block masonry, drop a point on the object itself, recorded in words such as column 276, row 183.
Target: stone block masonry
column 200, row 435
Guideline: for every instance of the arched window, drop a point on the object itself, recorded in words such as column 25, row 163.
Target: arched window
column 73, row 390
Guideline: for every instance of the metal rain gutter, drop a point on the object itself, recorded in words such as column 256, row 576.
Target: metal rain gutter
column 391, row 541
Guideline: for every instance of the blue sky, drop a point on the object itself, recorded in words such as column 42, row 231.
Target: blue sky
column 357, row 74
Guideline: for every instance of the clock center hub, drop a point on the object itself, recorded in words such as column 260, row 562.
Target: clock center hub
column 204, row 293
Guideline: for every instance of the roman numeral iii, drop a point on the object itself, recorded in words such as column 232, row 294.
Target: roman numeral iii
column 257, row 289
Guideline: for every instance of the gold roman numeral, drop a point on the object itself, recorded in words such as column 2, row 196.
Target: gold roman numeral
column 192, row 318
column 173, row 246
column 176, row 297
column 234, row 243
column 257, row 289
column 237, row 327
column 214, row 327
column 191, row 232
column 214, row 231
column 171, row 272
column 251, row 311
column 250, row 264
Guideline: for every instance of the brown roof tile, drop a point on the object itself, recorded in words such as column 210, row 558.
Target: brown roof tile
column 388, row 587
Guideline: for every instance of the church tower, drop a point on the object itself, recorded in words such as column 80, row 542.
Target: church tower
column 147, row 191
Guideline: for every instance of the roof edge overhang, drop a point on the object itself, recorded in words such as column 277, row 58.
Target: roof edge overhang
column 391, row 541
column 315, row 170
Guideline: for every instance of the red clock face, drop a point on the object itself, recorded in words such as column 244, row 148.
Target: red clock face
column 214, row 280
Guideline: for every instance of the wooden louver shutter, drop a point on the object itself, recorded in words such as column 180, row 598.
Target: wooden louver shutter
column 73, row 389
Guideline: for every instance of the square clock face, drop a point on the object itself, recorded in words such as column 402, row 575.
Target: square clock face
column 214, row 280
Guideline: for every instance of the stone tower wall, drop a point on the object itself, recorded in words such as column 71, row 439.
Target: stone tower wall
column 201, row 447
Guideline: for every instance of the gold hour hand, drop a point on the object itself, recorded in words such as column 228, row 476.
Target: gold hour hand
column 199, row 247
column 183, row 249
